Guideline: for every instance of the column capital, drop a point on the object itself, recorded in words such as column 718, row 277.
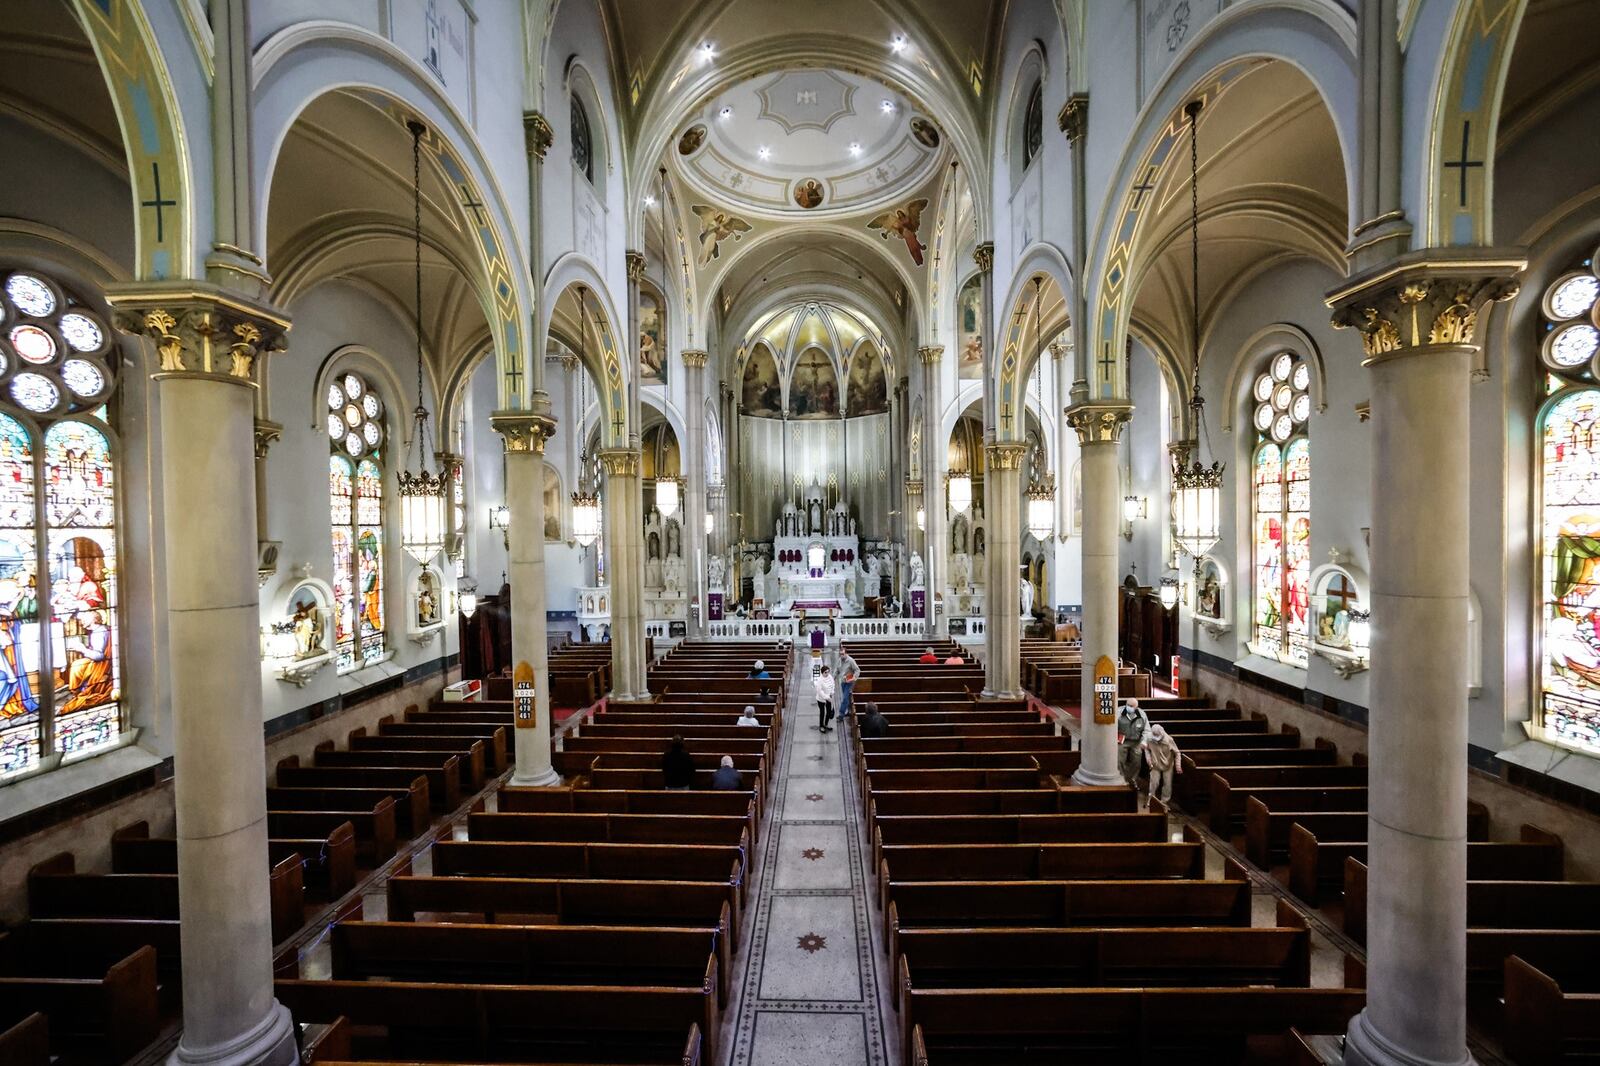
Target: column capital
column 537, row 134
column 1074, row 117
column 1005, row 455
column 695, row 358
column 635, row 261
column 198, row 328
column 913, row 486
column 620, row 462
column 267, row 434
column 983, row 255
column 1426, row 300
column 1060, row 350
column 931, row 354
column 523, row 431
column 726, row 389
column 1099, row 423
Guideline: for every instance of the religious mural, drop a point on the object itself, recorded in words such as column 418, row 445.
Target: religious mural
column 761, row 393
column 808, row 193
column 692, row 139
column 717, row 226
column 868, row 387
column 926, row 133
column 652, row 349
column 969, row 329
column 814, row 387
column 903, row 222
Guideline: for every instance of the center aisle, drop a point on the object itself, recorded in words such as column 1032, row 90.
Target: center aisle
column 814, row 977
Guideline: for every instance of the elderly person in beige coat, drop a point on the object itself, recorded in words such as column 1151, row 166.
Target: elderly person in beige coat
column 1164, row 759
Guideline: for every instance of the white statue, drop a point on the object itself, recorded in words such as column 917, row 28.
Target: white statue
column 1027, row 598
column 652, row 573
column 758, row 580
column 980, row 564
column 717, row 573
column 961, row 572
column 918, row 578
column 816, row 517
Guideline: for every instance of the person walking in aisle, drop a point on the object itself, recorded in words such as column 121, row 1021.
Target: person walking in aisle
column 824, row 690
column 1132, row 725
column 1163, row 756
column 849, row 674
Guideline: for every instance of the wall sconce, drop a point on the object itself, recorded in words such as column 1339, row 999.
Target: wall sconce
column 1169, row 592
column 922, row 520
column 1134, row 509
column 467, row 599
column 711, row 523
column 500, row 518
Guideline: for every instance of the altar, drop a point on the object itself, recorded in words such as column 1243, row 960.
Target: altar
column 817, row 563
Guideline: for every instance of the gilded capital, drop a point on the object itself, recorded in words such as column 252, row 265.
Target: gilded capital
column 983, row 255
column 1005, row 455
column 267, row 434
column 1059, row 350
column 198, row 328
column 695, row 358
column 635, row 261
column 620, row 462
column 913, row 486
column 449, row 463
column 931, row 354
column 1074, row 117
column 1099, row 423
column 1425, row 300
column 537, row 134
column 523, row 431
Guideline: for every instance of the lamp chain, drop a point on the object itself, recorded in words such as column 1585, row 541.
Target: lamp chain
column 421, row 438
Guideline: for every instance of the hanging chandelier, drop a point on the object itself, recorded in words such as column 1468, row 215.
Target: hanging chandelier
column 667, row 495
column 1042, row 487
column 586, row 523
column 422, row 492
column 1196, row 488
column 960, row 489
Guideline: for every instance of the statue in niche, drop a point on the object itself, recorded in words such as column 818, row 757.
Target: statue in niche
column 977, row 541
column 672, row 574
column 308, row 624
column 918, row 576
column 816, row 517
column 674, row 544
column 716, row 571
column 1027, row 597
column 758, row 580
column 961, row 572
column 980, row 561
column 652, row 573
column 654, row 545
column 852, row 527
column 958, row 536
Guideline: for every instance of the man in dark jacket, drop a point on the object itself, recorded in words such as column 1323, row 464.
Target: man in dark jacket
column 727, row 778
column 873, row 723
column 677, row 766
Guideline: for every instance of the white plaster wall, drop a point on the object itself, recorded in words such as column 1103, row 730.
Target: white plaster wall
column 1145, row 467
column 485, row 470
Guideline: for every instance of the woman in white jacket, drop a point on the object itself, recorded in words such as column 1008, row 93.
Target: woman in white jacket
column 824, row 690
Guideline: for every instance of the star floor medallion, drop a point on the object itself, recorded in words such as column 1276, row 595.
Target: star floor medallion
column 815, row 797
column 813, row 854
column 811, row 943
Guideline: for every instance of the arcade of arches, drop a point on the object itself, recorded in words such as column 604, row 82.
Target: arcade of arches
column 414, row 416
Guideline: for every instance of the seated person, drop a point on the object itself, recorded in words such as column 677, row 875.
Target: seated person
column 873, row 723
column 955, row 659
column 677, row 766
column 930, row 656
column 748, row 717
column 726, row 778
column 758, row 670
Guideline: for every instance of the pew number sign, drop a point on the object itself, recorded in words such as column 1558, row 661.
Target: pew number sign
column 523, row 696
column 1105, row 691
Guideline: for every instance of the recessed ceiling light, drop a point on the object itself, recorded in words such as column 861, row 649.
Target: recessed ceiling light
column 855, row 148
column 708, row 51
column 649, row 201
column 898, row 42
column 764, row 152
column 888, row 106
column 726, row 112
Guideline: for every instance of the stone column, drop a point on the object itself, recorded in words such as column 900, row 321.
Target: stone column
column 916, row 539
column 1383, row 230
column 694, row 495
column 1064, row 439
column 935, row 497
column 1099, row 427
column 624, row 532
column 1002, row 501
column 524, row 434
column 232, row 263
column 1418, row 317
column 206, row 346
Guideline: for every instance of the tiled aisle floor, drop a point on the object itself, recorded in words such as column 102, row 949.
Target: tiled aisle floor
column 813, row 966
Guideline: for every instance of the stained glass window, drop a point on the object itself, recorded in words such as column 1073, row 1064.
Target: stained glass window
column 1033, row 125
column 1281, row 510
column 60, row 663
column 355, row 509
column 582, row 145
column 458, row 516
column 1569, row 577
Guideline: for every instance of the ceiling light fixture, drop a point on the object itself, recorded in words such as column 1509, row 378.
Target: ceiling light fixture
column 421, row 490
column 649, row 201
column 726, row 112
column 708, row 51
column 855, row 148
column 888, row 107
column 764, row 152
column 897, row 43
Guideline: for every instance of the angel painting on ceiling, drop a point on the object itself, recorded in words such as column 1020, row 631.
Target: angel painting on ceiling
column 717, row 226
column 902, row 222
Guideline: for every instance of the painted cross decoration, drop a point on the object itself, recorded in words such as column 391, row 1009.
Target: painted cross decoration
column 1465, row 163
column 157, row 202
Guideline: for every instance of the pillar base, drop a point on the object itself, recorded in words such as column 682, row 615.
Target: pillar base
column 270, row 1043
column 1088, row 778
column 1365, row 1046
column 543, row 779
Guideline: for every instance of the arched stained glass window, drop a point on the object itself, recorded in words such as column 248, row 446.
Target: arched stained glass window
column 1281, row 510
column 582, row 142
column 1033, row 125
column 60, row 667
column 1569, row 532
column 355, row 509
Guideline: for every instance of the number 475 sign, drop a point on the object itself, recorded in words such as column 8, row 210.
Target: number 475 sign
column 1105, row 691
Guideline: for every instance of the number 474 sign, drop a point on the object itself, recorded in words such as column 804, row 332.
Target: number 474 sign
column 1105, row 691
column 523, row 696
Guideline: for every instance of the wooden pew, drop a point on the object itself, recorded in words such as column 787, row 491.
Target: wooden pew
column 519, row 1023
column 1546, row 1023
column 479, row 754
column 1316, row 867
column 444, row 784
column 328, row 864
column 25, row 1042
column 615, row 828
column 1039, row 862
column 1567, row 905
column 639, row 862
column 1073, row 800
column 412, row 805
column 376, row 837
column 107, row 1017
column 463, row 774
column 513, row 800
column 1266, row 832
column 1231, row 786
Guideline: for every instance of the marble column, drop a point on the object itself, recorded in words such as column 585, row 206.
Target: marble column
column 1099, row 427
column 624, row 532
column 1062, row 367
column 524, row 434
column 916, row 539
column 1418, row 317
column 206, row 347
column 694, row 495
column 935, row 498
column 1002, row 499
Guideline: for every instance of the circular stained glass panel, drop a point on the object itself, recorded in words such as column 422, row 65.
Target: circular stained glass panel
column 33, row 344
column 1573, row 345
column 352, row 444
column 335, row 425
column 1302, row 408
column 5, row 364
column 35, row 392
column 352, row 416
column 1282, row 366
column 1264, row 387
column 1264, row 417
column 82, row 332
column 83, row 377
column 352, row 386
column 1282, row 428
column 369, row 404
column 1572, row 296
column 335, row 397
column 371, row 433
column 1302, row 377
column 1281, row 398
column 32, row 296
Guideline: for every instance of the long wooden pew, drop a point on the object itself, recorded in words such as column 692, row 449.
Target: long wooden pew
column 1545, row 1022
column 411, row 814
column 1316, row 866
column 107, row 1014
column 613, row 828
column 512, row 800
column 25, row 1042
column 1564, row 905
column 1231, row 786
column 1071, row 800
column 575, row 861
column 443, row 781
column 328, row 864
